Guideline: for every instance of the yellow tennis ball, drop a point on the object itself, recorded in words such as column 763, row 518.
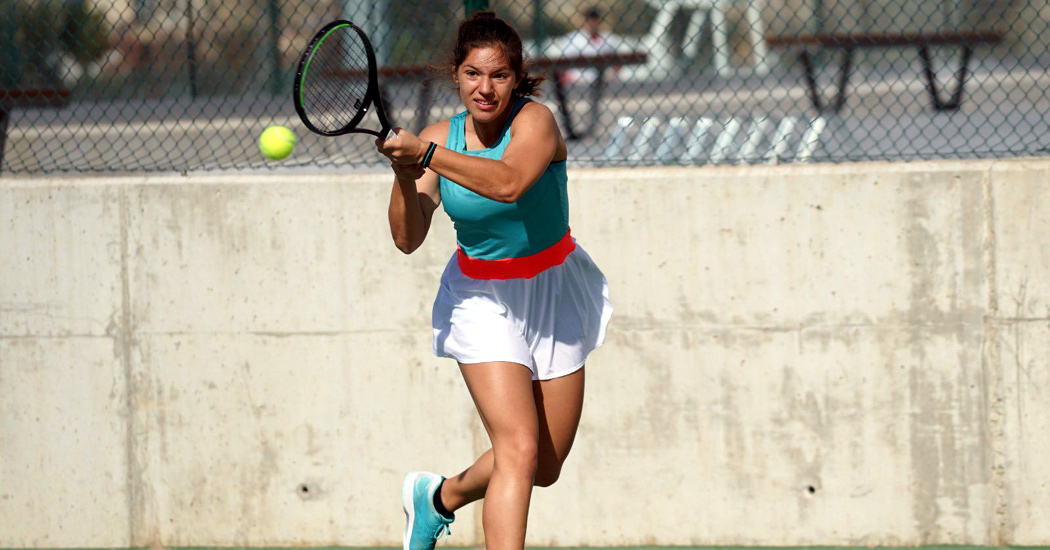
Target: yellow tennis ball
column 276, row 142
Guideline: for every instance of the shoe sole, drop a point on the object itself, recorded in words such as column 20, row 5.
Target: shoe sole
column 408, row 502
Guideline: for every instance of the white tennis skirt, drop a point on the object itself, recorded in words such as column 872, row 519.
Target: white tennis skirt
column 549, row 323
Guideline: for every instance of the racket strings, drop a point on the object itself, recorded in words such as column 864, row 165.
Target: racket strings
column 335, row 86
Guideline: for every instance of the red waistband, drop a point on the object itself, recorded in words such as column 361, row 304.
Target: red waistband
column 526, row 267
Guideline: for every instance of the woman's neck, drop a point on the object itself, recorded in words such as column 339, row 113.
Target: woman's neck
column 488, row 133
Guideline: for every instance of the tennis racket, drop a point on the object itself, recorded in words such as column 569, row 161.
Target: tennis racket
column 336, row 83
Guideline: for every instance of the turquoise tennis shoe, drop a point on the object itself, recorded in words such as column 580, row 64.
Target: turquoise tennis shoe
column 423, row 524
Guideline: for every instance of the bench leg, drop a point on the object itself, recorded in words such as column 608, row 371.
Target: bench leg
column 960, row 79
column 563, row 106
column 423, row 109
column 596, row 101
column 811, row 80
column 597, row 87
column 384, row 98
column 3, row 135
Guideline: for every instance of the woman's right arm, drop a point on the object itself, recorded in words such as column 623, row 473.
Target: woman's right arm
column 414, row 197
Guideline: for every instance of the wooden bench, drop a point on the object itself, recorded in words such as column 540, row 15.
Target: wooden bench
column 40, row 98
column 550, row 65
column 849, row 42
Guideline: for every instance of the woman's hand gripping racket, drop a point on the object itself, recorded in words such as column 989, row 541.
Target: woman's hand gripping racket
column 336, row 83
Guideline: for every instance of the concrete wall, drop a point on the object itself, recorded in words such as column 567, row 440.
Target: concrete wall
column 811, row 355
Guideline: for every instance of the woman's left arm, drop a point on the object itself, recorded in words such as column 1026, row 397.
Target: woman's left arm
column 534, row 140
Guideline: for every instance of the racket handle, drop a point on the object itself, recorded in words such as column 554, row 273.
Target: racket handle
column 390, row 134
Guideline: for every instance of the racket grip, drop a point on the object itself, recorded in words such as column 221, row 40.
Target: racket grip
column 390, row 134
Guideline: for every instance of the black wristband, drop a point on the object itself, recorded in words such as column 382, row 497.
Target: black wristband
column 428, row 155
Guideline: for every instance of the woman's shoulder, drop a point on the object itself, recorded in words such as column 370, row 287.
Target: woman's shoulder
column 537, row 116
column 437, row 132
column 533, row 111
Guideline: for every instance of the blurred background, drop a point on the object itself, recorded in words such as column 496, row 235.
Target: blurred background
column 117, row 86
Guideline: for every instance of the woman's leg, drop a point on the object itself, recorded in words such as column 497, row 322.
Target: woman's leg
column 559, row 403
column 502, row 393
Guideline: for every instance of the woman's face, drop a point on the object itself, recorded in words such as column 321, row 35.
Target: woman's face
column 486, row 84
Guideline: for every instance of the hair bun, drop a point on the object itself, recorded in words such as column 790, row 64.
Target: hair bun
column 487, row 14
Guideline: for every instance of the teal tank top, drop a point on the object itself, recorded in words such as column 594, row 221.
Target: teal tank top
column 492, row 230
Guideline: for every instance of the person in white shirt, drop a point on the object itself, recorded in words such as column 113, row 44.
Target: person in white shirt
column 589, row 40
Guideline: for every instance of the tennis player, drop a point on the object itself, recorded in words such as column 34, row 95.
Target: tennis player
column 520, row 305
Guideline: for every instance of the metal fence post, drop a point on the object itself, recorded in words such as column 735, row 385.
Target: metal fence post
column 11, row 61
column 539, row 27
column 471, row 7
column 276, row 78
column 191, row 49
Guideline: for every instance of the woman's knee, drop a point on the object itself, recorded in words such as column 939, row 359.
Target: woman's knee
column 519, row 453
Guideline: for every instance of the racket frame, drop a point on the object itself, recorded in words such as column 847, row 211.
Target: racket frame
column 372, row 95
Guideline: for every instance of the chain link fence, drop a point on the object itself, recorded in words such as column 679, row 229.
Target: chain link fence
column 119, row 86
